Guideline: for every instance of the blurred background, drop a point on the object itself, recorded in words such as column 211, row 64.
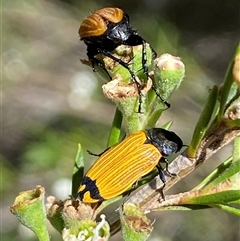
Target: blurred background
column 51, row 102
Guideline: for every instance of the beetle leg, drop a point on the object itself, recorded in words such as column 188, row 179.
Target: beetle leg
column 144, row 58
column 165, row 160
column 161, row 98
column 100, row 64
column 154, row 53
column 128, row 192
column 162, row 177
column 145, row 69
column 161, row 174
column 125, row 65
column 94, row 154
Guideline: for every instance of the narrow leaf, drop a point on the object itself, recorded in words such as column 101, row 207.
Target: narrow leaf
column 236, row 149
column 215, row 198
column 187, row 207
column 227, row 91
column 212, row 176
column 78, row 170
column 229, row 209
column 115, row 133
column 230, row 171
column 203, row 123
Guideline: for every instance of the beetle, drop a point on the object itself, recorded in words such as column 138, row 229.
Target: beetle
column 119, row 167
column 105, row 30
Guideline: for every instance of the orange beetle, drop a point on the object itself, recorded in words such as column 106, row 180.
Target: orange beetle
column 120, row 166
column 105, row 30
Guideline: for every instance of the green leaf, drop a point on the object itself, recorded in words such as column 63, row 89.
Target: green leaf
column 229, row 89
column 194, row 200
column 229, row 209
column 220, row 174
column 236, row 149
column 215, row 198
column 167, row 125
column 236, row 201
column 115, row 133
column 203, row 123
column 187, row 207
column 78, row 170
column 230, row 171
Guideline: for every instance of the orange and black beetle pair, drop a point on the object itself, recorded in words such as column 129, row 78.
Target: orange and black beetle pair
column 120, row 166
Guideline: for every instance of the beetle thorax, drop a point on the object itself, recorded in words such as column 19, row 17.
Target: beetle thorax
column 120, row 33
